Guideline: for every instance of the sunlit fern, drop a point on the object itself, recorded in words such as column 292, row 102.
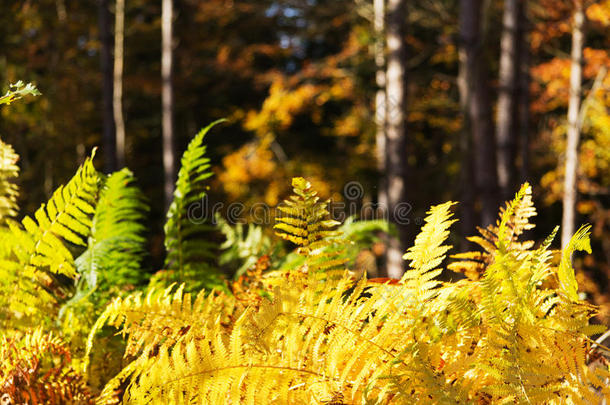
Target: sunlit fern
column 9, row 191
column 305, row 221
column 512, row 335
column 40, row 247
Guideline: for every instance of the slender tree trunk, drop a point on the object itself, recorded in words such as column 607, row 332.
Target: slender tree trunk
column 106, row 62
column 117, row 101
column 169, row 158
column 524, row 90
column 573, row 134
column 380, row 100
column 396, row 133
column 467, row 193
column 506, row 121
column 475, row 96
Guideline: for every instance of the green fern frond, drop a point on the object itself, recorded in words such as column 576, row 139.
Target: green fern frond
column 565, row 271
column 115, row 248
column 189, row 251
column 9, row 191
column 243, row 245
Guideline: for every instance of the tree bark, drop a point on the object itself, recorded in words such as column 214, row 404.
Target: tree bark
column 506, row 121
column 474, row 90
column 117, row 100
column 574, row 125
column 523, row 102
column 106, row 61
column 396, row 134
column 380, row 100
column 169, row 158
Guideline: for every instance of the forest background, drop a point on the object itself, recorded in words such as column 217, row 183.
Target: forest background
column 410, row 102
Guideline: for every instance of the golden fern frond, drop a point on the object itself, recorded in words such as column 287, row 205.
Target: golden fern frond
column 428, row 252
column 513, row 221
column 565, row 272
column 9, row 191
column 64, row 219
column 305, row 221
column 159, row 318
column 39, row 248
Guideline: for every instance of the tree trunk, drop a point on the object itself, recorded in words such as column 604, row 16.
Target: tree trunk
column 169, row 158
column 117, row 101
column 107, row 113
column 573, row 133
column 506, row 127
column 523, row 103
column 474, row 89
column 396, row 134
column 380, row 100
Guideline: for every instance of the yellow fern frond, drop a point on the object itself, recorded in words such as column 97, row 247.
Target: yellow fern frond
column 428, row 252
column 514, row 220
column 565, row 271
column 9, row 192
column 304, row 221
column 40, row 247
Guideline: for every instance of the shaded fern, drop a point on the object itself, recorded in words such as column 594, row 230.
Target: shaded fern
column 190, row 250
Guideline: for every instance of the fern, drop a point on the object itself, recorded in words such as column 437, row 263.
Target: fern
column 242, row 247
column 9, row 192
column 512, row 223
column 189, row 252
column 304, row 221
column 565, row 272
column 36, row 370
column 116, row 246
column 115, row 251
column 429, row 252
column 40, row 247
column 353, row 246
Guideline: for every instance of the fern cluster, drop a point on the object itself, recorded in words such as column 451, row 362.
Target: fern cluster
column 515, row 332
column 39, row 250
column 298, row 329
column 36, row 369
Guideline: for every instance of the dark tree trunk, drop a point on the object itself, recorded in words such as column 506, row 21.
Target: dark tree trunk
column 474, row 89
column 523, row 103
column 108, row 139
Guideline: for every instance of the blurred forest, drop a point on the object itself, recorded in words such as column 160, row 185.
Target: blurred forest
column 419, row 102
